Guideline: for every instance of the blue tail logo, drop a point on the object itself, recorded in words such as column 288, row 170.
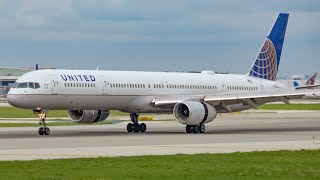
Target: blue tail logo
column 267, row 62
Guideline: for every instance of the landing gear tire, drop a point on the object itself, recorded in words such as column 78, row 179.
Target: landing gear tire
column 196, row 128
column 41, row 131
column 130, row 127
column 135, row 126
column 44, row 131
column 202, row 128
column 188, row 129
column 143, row 127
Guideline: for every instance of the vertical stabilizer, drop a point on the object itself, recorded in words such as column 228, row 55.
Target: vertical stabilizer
column 312, row 80
column 267, row 62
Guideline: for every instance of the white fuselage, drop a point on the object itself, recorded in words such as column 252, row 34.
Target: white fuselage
column 127, row 91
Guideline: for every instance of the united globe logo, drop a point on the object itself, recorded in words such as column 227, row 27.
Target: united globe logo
column 265, row 65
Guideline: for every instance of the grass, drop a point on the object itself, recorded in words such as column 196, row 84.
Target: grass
column 62, row 123
column 290, row 107
column 303, row 164
column 12, row 112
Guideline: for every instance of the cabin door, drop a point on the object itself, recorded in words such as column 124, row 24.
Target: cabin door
column 105, row 85
column 54, row 85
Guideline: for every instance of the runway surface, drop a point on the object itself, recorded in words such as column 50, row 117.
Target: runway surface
column 284, row 130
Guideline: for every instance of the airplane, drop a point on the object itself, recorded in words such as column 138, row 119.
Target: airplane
column 310, row 82
column 195, row 99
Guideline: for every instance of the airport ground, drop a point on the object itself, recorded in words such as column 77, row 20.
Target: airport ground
column 96, row 151
column 238, row 132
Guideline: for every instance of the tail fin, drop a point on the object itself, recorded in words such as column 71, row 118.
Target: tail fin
column 312, row 79
column 267, row 62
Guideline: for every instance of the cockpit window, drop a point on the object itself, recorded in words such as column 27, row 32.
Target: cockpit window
column 14, row 85
column 23, row 85
column 30, row 85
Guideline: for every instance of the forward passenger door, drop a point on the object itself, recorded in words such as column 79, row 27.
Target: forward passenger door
column 54, row 85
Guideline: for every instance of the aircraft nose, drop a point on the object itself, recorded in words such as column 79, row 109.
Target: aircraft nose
column 11, row 99
column 14, row 100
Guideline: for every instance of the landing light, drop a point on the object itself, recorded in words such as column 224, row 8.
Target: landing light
column 42, row 115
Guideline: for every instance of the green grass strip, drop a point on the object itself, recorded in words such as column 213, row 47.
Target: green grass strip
column 290, row 107
column 12, row 112
column 63, row 123
column 254, row 165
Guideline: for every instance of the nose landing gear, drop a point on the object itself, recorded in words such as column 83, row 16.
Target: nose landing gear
column 43, row 130
column 135, row 126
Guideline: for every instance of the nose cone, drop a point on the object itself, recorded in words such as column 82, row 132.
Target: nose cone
column 15, row 100
column 11, row 99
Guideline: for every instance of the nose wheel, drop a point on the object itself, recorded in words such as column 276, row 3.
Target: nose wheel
column 43, row 130
column 135, row 126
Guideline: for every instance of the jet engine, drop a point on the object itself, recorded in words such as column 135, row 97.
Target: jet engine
column 194, row 113
column 88, row 116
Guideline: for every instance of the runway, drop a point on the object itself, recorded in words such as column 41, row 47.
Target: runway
column 250, row 131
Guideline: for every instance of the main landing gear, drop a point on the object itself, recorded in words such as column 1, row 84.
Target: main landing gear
column 196, row 128
column 135, row 126
column 43, row 130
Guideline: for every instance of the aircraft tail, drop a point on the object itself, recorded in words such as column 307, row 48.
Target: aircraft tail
column 312, row 80
column 267, row 62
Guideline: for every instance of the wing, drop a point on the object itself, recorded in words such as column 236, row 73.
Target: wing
column 308, row 86
column 251, row 99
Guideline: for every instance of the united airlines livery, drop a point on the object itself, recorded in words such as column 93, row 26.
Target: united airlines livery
column 194, row 98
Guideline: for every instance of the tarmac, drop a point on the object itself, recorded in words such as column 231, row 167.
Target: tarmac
column 236, row 132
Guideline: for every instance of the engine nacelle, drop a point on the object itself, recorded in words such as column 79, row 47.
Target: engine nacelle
column 88, row 116
column 194, row 113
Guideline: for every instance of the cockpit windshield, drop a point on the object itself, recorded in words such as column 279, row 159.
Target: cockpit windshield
column 15, row 85
column 30, row 85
